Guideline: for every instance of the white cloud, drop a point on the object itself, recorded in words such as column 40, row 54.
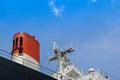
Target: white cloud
column 93, row 1
column 58, row 11
column 52, row 3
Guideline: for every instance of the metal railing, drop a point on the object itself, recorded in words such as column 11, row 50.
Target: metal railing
column 7, row 55
column 43, row 69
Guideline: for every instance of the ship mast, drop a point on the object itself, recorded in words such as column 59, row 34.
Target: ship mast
column 69, row 71
column 61, row 56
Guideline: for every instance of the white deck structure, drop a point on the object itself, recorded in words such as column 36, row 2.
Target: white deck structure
column 68, row 71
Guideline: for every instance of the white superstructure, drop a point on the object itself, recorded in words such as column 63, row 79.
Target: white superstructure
column 68, row 71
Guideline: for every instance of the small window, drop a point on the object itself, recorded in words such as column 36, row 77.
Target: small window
column 21, row 41
column 13, row 44
column 16, row 42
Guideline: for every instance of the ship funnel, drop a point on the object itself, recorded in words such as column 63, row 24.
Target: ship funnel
column 26, row 50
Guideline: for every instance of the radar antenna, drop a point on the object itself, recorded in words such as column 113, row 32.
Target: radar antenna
column 61, row 55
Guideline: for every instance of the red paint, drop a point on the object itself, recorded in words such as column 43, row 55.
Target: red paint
column 29, row 45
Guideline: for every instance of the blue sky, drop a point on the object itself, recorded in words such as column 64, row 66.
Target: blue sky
column 92, row 26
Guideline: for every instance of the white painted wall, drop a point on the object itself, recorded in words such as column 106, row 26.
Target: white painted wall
column 26, row 60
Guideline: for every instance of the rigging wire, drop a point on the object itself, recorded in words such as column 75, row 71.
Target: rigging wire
column 8, row 54
column 111, row 76
column 45, row 69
